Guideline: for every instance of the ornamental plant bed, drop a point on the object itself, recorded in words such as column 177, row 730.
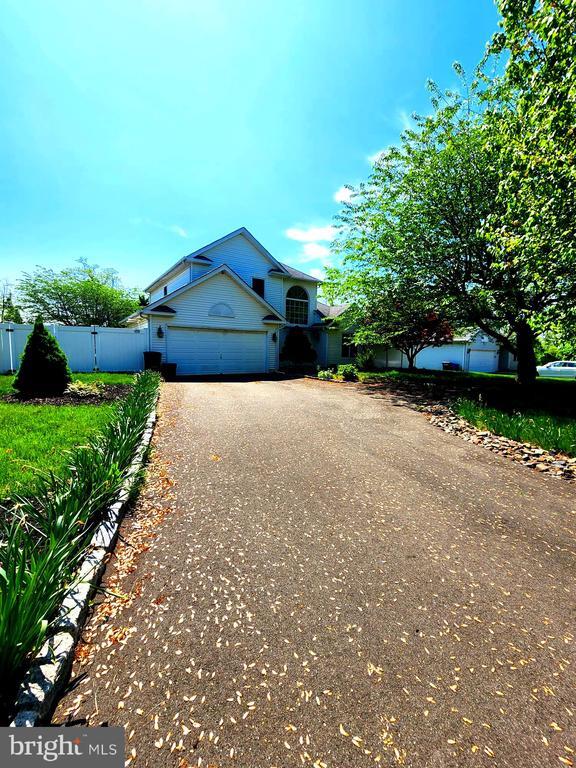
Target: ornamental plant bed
column 105, row 394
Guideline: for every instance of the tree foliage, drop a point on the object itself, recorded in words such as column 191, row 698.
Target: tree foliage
column 426, row 216
column 532, row 112
column 532, row 108
column 9, row 311
column 82, row 295
column 478, row 200
column 390, row 310
column 44, row 367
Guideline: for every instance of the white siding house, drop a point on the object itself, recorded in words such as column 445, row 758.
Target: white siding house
column 222, row 309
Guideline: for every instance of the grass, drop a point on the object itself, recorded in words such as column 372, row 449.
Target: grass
column 555, row 433
column 45, row 535
column 453, row 377
column 36, row 437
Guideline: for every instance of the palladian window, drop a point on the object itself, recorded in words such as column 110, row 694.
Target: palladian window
column 297, row 305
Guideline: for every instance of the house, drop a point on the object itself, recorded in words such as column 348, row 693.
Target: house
column 471, row 351
column 229, row 306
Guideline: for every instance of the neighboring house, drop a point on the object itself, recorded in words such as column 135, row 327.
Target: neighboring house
column 473, row 351
column 227, row 308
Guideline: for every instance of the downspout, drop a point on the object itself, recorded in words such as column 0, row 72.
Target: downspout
column 149, row 333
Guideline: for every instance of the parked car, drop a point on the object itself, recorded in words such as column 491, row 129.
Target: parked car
column 565, row 369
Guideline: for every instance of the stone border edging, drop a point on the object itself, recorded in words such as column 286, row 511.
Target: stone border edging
column 49, row 669
column 554, row 463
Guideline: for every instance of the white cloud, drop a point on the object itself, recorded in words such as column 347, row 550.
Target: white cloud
column 177, row 230
column 343, row 195
column 312, row 234
column 319, row 274
column 315, row 250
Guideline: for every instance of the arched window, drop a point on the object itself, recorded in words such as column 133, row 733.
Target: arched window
column 297, row 305
column 221, row 310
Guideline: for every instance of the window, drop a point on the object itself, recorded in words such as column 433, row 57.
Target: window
column 349, row 349
column 221, row 310
column 258, row 286
column 165, row 290
column 297, row 305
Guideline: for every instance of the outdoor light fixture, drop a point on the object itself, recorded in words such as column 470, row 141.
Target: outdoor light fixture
column 160, row 332
column 274, row 338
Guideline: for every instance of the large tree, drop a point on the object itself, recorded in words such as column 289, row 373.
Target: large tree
column 82, row 295
column 532, row 110
column 422, row 216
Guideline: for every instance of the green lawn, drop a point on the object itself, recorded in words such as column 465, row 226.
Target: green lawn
column 453, row 377
column 36, row 436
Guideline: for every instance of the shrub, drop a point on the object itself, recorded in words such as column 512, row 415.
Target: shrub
column 44, row 367
column 365, row 360
column 44, row 537
column 82, row 389
column 326, row 375
column 349, row 372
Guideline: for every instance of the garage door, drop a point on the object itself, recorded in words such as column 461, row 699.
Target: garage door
column 483, row 360
column 198, row 351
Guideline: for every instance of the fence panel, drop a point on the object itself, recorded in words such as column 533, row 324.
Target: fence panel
column 87, row 348
column 121, row 349
column 77, row 343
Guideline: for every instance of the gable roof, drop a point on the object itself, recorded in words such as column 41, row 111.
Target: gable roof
column 165, row 309
column 200, row 255
column 331, row 312
column 160, row 304
column 300, row 275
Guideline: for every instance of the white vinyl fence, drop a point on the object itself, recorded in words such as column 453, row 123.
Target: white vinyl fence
column 87, row 347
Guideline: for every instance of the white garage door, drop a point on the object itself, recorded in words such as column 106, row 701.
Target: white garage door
column 198, row 351
column 483, row 360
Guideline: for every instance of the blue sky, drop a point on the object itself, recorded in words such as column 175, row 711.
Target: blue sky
column 135, row 131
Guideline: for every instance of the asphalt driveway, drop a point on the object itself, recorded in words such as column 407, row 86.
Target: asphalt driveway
column 336, row 583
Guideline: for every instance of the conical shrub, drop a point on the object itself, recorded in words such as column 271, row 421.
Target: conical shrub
column 44, row 368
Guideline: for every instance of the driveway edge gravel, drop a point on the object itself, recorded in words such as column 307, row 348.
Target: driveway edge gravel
column 49, row 670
